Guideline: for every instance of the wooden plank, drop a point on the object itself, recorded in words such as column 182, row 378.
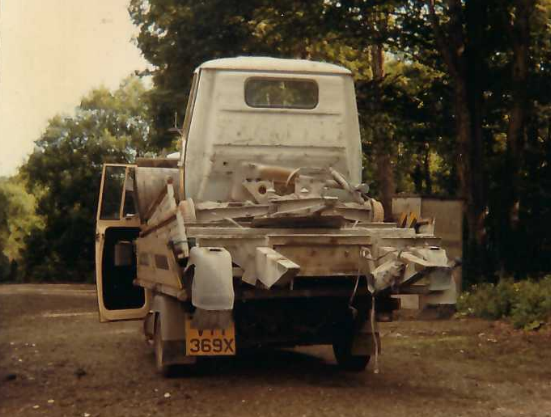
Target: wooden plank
column 155, row 203
column 167, row 220
column 163, row 289
column 323, row 260
column 331, row 222
column 325, row 239
column 209, row 230
column 413, row 289
column 157, row 162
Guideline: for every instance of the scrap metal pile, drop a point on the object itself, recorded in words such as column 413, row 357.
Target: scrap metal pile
column 285, row 223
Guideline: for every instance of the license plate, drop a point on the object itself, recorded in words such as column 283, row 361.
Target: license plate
column 213, row 342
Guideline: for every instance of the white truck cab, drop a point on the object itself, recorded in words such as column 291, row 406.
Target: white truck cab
column 275, row 112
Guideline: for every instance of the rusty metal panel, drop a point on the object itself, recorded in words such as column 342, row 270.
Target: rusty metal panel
column 157, row 263
column 328, row 239
column 323, row 254
column 323, row 260
column 150, row 181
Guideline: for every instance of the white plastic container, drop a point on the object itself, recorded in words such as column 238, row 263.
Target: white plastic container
column 212, row 287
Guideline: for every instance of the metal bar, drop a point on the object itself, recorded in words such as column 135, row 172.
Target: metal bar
column 123, row 196
column 167, row 220
column 156, row 202
column 287, row 293
column 163, row 289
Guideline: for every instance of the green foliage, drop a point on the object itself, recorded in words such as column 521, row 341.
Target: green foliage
column 176, row 36
column 18, row 219
column 489, row 301
column 64, row 174
column 527, row 304
column 533, row 306
column 418, row 127
column 4, row 268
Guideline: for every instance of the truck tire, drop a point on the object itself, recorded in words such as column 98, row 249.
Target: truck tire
column 342, row 348
column 345, row 359
column 149, row 334
column 162, row 368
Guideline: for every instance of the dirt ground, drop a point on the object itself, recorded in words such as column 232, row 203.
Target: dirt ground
column 56, row 359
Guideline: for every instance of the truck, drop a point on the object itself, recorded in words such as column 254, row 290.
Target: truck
column 259, row 231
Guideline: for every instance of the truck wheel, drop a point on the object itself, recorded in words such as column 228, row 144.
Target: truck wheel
column 346, row 361
column 149, row 336
column 162, row 368
column 342, row 347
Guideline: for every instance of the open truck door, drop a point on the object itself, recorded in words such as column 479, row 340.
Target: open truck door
column 117, row 228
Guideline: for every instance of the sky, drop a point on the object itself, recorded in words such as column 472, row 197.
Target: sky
column 52, row 52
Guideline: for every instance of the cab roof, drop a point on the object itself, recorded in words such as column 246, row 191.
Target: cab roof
column 246, row 63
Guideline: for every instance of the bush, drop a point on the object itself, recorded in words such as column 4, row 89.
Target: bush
column 4, row 267
column 527, row 304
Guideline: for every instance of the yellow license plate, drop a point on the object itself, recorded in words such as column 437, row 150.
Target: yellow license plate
column 213, row 342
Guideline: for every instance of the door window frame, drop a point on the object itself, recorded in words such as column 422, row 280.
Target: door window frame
column 122, row 196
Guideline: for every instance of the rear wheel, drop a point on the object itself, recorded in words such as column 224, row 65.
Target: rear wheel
column 162, row 368
column 149, row 334
column 346, row 360
column 342, row 347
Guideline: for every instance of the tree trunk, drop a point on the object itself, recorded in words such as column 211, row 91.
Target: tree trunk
column 520, row 34
column 462, row 55
column 385, row 177
column 508, row 214
column 475, row 75
column 384, row 170
column 469, row 166
column 426, row 171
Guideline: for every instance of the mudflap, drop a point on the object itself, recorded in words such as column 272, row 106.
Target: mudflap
column 168, row 316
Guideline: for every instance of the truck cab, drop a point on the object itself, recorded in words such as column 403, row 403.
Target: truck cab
column 275, row 112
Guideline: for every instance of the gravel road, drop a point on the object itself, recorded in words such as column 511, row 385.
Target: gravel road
column 56, row 359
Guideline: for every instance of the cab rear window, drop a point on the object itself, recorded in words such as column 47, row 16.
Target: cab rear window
column 281, row 93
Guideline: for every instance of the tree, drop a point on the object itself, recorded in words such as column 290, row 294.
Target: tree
column 453, row 95
column 4, row 261
column 17, row 220
column 17, row 216
column 64, row 173
column 176, row 36
column 486, row 47
column 458, row 33
column 518, row 191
